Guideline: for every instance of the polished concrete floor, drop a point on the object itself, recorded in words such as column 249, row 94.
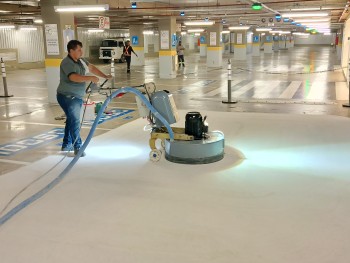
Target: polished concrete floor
column 303, row 80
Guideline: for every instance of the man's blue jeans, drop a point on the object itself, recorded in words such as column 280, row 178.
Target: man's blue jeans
column 72, row 108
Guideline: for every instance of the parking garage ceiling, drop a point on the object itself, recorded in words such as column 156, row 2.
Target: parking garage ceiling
column 148, row 12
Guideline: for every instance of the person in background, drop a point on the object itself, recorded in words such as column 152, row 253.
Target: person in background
column 71, row 91
column 127, row 54
column 180, row 54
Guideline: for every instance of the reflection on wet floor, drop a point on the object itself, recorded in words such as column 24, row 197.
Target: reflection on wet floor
column 303, row 80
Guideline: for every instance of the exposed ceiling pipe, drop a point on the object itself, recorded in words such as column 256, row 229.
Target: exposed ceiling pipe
column 345, row 13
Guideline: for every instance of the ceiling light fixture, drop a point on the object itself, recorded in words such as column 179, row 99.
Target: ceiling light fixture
column 195, row 30
column 239, row 27
column 310, row 14
column 256, row 6
column 82, row 8
column 38, row 21
column 263, row 29
column 28, row 28
column 199, row 23
column 7, row 26
column 95, row 30
column 148, row 32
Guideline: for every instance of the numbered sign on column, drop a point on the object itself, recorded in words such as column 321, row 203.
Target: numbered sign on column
column 104, row 22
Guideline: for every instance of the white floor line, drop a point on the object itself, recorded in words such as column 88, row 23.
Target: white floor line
column 268, row 86
column 30, row 98
column 49, row 124
column 289, row 92
column 14, row 162
column 11, row 103
column 219, row 90
column 341, row 91
column 317, row 91
column 246, row 88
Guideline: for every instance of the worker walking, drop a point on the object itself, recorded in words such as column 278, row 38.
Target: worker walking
column 127, row 54
column 180, row 54
column 71, row 90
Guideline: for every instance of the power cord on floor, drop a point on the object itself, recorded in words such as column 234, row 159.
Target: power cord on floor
column 48, row 171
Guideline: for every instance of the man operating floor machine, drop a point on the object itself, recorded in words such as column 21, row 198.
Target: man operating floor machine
column 194, row 144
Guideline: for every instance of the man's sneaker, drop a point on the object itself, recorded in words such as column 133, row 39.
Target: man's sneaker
column 66, row 148
column 76, row 152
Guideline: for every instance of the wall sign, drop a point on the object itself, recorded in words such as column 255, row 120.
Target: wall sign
column 68, row 35
column 173, row 40
column 134, row 40
column 239, row 38
column 51, row 37
column 213, row 38
column 164, row 39
column 104, row 22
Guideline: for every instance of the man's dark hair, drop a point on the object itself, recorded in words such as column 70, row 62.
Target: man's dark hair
column 73, row 44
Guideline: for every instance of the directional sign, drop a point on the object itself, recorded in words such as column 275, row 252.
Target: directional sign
column 135, row 40
column 174, row 40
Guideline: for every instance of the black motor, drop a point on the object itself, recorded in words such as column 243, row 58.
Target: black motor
column 195, row 125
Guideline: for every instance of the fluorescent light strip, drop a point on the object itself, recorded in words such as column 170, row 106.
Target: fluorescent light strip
column 312, row 20
column 81, row 8
column 7, row 26
column 28, row 28
column 195, row 30
column 226, row 32
column 95, row 30
column 306, row 9
column 148, row 32
column 261, row 29
column 314, row 14
column 239, row 27
column 199, row 23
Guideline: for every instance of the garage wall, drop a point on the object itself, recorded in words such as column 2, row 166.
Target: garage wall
column 29, row 44
column 92, row 40
column 314, row 40
column 345, row 48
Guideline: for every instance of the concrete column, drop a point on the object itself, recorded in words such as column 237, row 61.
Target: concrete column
column 137, row 43
column 268, row 43
column 214, row 48
column 232, row 42
column 292, row 41
column 289, row 41
column 339, row 47
column 256, row 44
column 203, row 45
column 56, row 26
column 240, row 45
column 167, row 48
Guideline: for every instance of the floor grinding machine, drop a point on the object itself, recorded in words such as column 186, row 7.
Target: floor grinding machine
column 194, row 144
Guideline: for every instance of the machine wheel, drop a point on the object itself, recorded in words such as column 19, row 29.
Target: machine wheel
column 155, row 155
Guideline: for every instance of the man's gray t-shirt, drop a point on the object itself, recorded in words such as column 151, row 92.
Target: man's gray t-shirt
column 66, row 86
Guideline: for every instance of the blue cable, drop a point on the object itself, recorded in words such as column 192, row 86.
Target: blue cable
column 63, row 174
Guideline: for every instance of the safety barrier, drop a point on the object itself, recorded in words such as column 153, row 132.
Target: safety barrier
column 3, row 71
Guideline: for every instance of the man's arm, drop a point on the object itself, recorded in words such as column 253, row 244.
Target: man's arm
column 97, row 72
column 80, row 78
column 132, row 50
